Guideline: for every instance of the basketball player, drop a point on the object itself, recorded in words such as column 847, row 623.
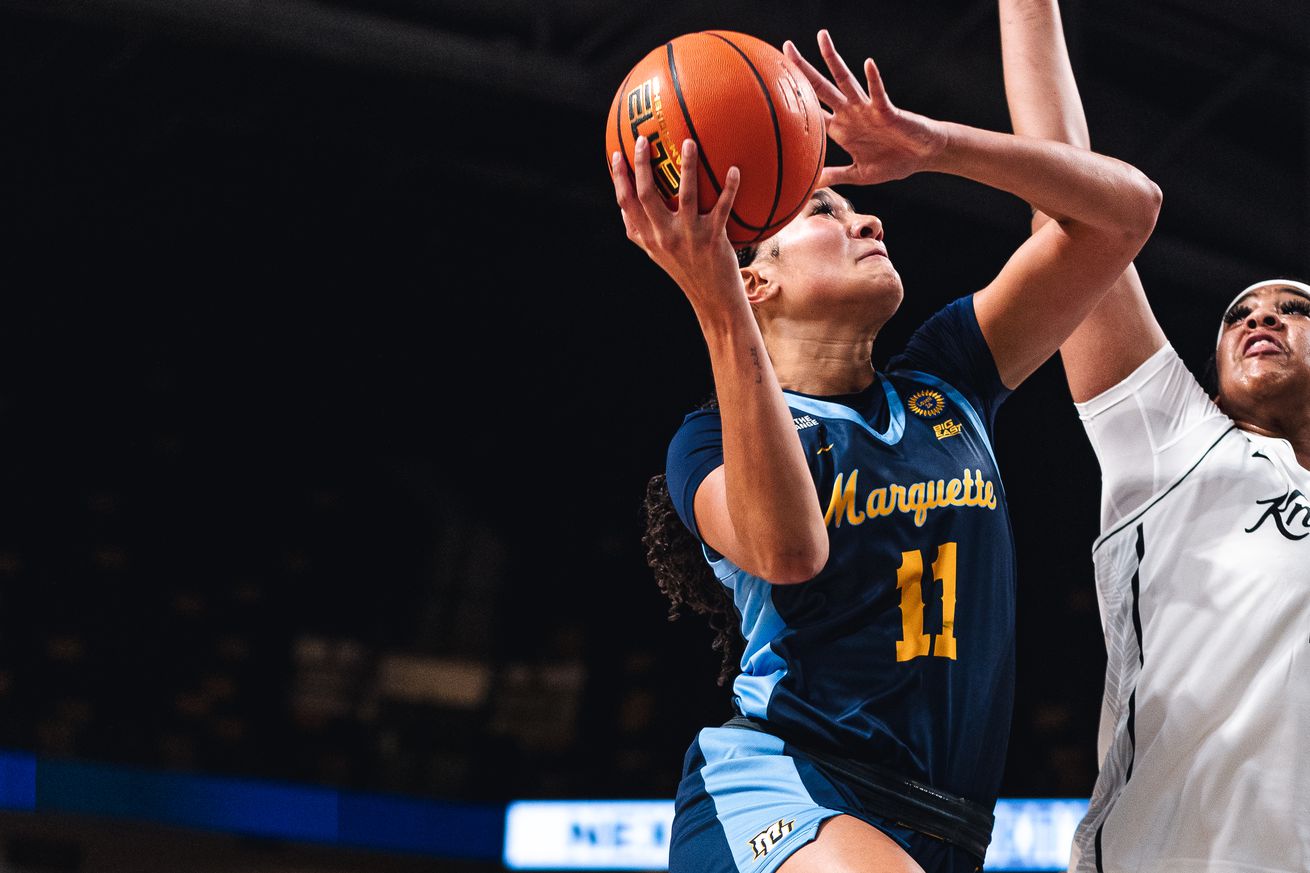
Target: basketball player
column 854, row 521
column 1203, row 564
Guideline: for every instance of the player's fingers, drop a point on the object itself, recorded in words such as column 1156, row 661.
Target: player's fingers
column 626, row 195
column 838, row 176
column 631, row 228
column 842, row 76
column 877, row 91
column 689, row 183
column 823, row 89
column 723, row 206
column 619, row 176
column 651, row 202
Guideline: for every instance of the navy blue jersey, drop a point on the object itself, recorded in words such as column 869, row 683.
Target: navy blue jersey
column 901, row 651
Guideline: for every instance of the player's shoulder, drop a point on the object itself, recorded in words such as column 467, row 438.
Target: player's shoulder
column 704, row 417
column 950, row 346
column 1198, row 483
column 1161, row 377
column 699, row 435
column 938, row 400
column 699, row 418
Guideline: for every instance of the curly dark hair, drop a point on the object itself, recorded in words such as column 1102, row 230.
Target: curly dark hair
column 675, row 557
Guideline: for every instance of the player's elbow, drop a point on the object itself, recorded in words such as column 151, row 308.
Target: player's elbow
column 1125, row 222
column 1142, row 199
column 1116, row 242
column 798, row 562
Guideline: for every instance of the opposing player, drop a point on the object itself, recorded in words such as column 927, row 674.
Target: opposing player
column 854, row 519
column 1203, row 564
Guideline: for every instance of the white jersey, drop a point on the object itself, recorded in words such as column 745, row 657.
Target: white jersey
column 1203, row 579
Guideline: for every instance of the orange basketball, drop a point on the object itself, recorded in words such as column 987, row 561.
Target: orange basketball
column 745, row 105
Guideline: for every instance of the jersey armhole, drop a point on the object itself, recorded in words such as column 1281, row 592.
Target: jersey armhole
column 1128, row 386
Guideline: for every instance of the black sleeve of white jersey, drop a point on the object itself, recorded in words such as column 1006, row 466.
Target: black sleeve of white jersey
column 950, row 345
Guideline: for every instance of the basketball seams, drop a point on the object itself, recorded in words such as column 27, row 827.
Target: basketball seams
column 777, row 130
column 760, row 230
column 814, row 181
column 818, row 168
column 691, row 126
column 618, row 119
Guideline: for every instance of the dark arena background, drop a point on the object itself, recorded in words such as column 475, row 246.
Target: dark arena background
column 331, row 387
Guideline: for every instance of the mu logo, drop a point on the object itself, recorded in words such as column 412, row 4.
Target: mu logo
column 770, row 837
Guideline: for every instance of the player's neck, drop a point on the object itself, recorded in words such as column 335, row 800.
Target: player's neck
column 822, row 367
column 1292, row 425
column 1300, row 440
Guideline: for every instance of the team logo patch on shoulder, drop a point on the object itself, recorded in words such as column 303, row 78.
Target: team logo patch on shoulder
column 927, row 403
column 766, row 839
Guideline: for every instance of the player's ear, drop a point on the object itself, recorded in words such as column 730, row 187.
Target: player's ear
column 759, row 286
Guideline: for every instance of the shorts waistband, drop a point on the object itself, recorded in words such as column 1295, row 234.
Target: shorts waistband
column 916, row 805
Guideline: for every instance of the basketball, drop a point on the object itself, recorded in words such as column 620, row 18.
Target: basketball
column 745, row 105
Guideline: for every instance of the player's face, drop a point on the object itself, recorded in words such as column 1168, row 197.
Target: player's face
column 832, row 259
column 1264, row 349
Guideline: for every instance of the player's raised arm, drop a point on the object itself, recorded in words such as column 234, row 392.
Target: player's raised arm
column 1103, row 209
column 759, row 508
column 1121, row 332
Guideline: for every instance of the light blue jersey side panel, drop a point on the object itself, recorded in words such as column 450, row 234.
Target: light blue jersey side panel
column 761, row 668
column 759, row 798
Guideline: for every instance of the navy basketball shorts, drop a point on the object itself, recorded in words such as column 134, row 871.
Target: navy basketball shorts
column 746, row 803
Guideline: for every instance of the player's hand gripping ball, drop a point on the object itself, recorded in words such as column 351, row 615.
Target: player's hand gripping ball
column 745, row 105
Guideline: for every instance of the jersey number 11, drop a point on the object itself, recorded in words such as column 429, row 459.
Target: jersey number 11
column 914, row 642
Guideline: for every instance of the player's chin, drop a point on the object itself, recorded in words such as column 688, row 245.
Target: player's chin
column 1263, row 375
column 886, row 282
column 1269, row 366
column 884, row 297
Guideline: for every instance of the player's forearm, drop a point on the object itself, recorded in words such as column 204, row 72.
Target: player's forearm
column 1072, row 185
column 770, row 494
column 1121, row 332
column 1039, row 82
